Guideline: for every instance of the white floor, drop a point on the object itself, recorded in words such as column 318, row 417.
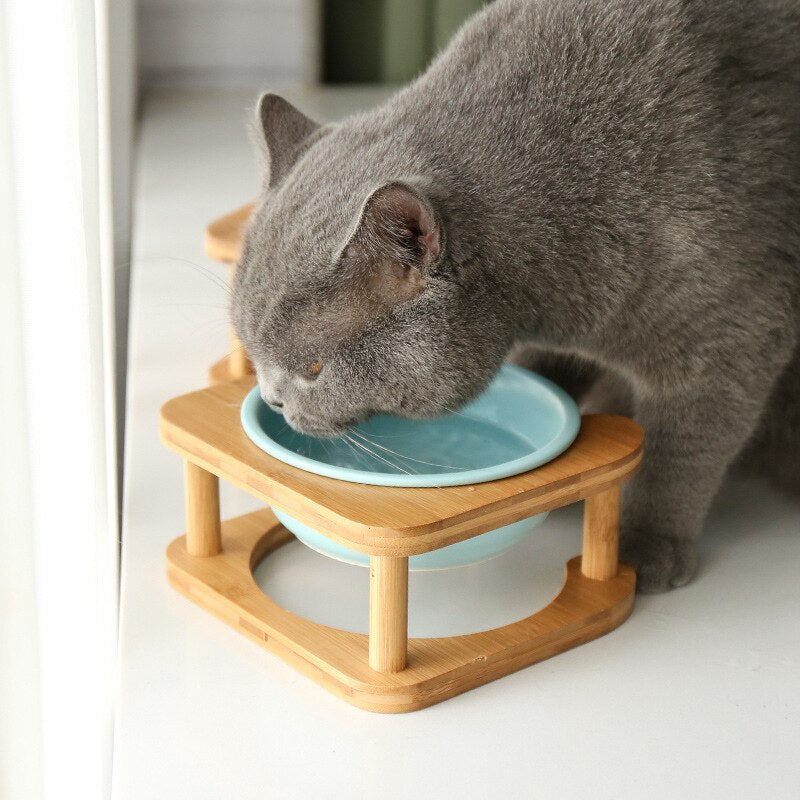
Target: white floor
column 697, row 695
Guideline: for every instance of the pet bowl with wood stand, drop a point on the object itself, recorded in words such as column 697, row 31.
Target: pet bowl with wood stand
column 384, row 670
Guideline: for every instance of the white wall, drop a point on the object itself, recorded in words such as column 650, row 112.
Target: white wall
column 228, row 42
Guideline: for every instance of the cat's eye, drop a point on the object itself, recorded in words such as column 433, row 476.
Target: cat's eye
column 314, row 369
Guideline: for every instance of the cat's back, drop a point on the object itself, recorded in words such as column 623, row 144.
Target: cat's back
column 601, row 39
column 614, row 68
column 600, row 83
column 641, row 106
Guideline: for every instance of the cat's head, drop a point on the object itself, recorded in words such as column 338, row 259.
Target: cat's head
column 346, row 296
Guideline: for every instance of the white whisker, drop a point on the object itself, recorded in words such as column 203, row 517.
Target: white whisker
column 405, row 457
column 359, row 457
column 378, row 456
column 214, row 277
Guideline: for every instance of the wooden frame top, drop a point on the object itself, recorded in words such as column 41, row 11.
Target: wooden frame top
column 224, row 235
column 204, row 428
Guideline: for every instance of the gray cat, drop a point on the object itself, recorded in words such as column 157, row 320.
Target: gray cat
column 608, row 188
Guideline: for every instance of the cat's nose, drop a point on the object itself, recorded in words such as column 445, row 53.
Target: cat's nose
column 271, row 398
column 269, row 389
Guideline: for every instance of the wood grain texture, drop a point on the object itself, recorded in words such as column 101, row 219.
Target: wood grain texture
column 222, row 242
column 225, row 371
column 239, row 365
column 438, row 668
column 224, row 235
column 204, row 427
column 601, row 534
column 202, row 511
column 388, row 613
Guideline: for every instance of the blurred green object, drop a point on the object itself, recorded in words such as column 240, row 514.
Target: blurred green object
column 447, row 18
column 405, row 38
column 388, row 41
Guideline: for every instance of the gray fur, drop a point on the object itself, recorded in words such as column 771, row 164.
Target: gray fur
column 614, row 191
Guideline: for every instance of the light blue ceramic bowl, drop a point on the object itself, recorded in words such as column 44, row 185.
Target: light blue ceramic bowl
column 520, row 422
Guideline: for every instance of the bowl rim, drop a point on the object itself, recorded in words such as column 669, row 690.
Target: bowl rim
column 554, row 447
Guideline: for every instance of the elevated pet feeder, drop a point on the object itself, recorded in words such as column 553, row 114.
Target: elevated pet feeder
column 386, row 671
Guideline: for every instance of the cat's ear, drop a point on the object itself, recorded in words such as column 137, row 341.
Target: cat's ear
column 397, row 237
column 283, row 129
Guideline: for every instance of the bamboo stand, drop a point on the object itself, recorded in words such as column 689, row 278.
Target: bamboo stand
column 222, row 240
column 385, row 671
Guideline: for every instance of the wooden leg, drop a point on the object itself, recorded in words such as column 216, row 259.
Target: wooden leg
column 238, row 363
column 388, row 613
column 601, row 535
column 202, row 512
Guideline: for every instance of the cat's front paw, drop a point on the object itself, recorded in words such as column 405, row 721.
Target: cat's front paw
column 661, row 562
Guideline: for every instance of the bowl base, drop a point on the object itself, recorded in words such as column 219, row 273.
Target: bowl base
column 461, row 554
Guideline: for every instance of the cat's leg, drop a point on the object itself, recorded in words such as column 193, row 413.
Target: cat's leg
column 575, row 375
column 609, row 394
column 690, row 440
column 774, row 448
column 597, row 389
